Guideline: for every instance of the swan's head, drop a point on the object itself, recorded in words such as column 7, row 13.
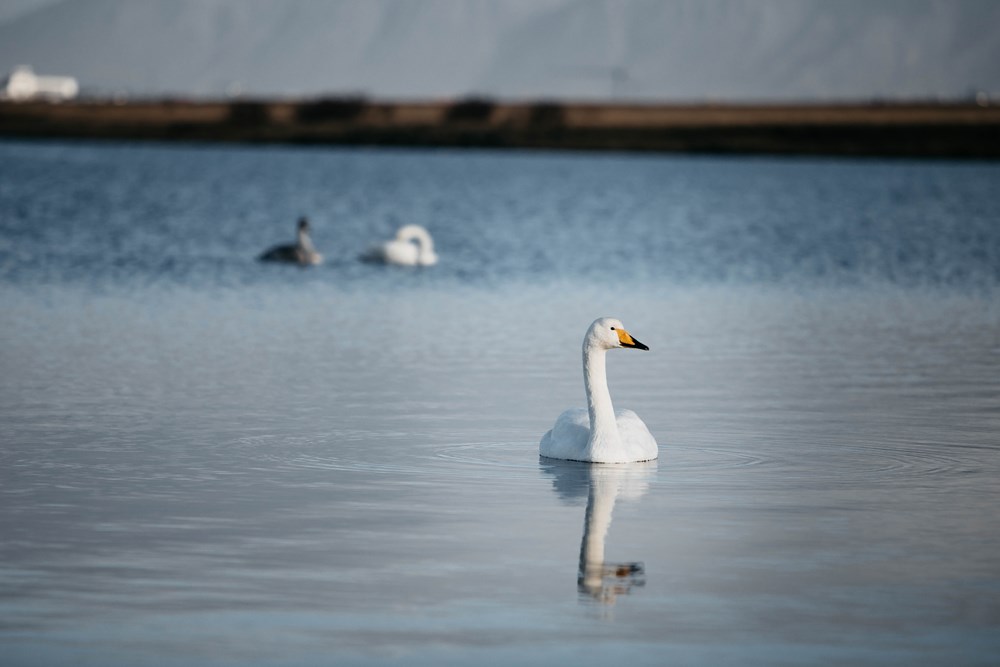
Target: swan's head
column 303, row 224
column 608, row 333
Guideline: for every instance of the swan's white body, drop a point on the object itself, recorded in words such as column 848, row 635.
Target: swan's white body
column 413, row 246
column 599, row 434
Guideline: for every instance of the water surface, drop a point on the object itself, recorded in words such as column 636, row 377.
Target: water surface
column 206, row 460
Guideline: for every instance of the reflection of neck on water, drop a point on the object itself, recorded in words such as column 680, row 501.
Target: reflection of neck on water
column 598, row 578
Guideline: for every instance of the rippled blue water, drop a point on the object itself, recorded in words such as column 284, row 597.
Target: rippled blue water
column 208, row 460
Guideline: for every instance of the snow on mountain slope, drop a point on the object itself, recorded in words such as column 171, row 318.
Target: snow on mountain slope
column 584, row 49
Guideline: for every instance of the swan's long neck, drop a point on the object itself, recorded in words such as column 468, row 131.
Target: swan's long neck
column 425, row 241
column 603, row 426
column 304, row 242
column 420, row 235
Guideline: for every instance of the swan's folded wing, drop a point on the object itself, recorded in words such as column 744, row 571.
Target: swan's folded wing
column 375, row 253
column 401, row 252
column 568, row 438
column 279, row 253
column 636, row 438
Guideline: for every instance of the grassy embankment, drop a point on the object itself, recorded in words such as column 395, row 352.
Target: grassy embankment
column 940, row 130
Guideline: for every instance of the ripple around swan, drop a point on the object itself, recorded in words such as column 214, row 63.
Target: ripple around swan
column 900, row 461
column 509, row 460
column 856, row 464
column 699, row 459
column 775, row 462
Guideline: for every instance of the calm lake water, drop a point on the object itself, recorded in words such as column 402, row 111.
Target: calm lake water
column 207, row 460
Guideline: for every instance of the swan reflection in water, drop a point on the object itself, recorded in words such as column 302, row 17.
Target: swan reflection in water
column 602, row 485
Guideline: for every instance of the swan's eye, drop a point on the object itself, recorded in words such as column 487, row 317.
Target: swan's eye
column 612, row 328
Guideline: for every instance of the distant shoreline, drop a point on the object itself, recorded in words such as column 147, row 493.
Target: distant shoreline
column 891, row 129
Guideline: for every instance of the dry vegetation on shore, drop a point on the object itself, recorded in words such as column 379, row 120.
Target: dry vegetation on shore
column 959, row 130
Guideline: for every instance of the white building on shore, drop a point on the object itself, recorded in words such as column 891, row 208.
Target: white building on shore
column 23, row 84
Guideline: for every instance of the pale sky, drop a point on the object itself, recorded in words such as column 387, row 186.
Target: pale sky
column 684, row 50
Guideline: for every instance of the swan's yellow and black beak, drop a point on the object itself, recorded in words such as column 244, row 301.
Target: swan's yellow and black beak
column 625, row 338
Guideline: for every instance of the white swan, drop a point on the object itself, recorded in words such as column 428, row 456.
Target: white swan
column 302, row 252
column 598, row 434
column 412, row 246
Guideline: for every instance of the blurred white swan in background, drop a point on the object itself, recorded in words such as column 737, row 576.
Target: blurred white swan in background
column 412, row 246
column 302, row 252
column 599, row 434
